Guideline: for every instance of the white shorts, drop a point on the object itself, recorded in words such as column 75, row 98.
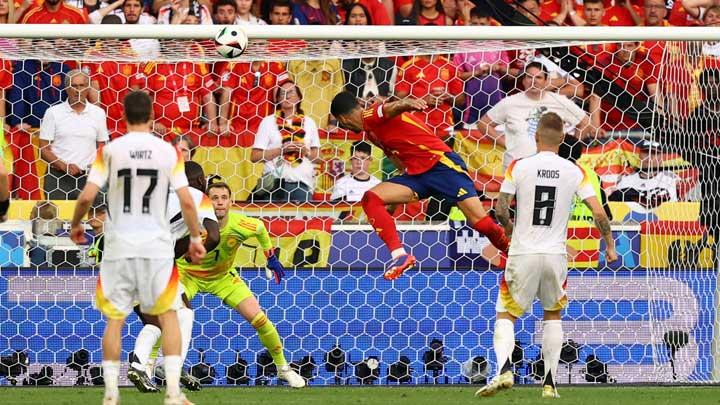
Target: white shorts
column 530, row 276
column 124, row 283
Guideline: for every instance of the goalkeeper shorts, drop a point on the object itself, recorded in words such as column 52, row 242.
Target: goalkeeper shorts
column 529, row 276
column 230, row 288
column 151, row 283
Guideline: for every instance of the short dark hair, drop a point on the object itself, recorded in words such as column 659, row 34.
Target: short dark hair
column 364, row 9
column 361, row 146
column 281, row 3
column 111, row 19
column 220, row 3
column 193, row 170
column 138, row 107
column 479, row 12
column 343, row 103
column 593, row 2
column 219, row 184
column 536, row 65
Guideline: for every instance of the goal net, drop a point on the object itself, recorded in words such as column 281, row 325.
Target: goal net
column 643, row 113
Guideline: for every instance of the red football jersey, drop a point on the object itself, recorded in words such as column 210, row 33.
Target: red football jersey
column 64, row 15
column 252, row 92
column 6, row 74
column 115, row 80
column 405, row 137
column 178, row 88
column 420, row 77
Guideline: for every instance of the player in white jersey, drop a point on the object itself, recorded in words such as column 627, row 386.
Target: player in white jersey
column 140, row 368
column 138, row 264
column 543, row 186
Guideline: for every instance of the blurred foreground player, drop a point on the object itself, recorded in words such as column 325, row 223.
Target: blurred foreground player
column 543, row 185
column 138, row 265
column 138, row 372
column 430, row 168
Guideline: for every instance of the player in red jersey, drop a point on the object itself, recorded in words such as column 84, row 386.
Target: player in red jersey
column 430, row 168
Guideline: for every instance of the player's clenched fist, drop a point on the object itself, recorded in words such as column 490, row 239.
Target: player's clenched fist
column 77, row 234
column 196, row 250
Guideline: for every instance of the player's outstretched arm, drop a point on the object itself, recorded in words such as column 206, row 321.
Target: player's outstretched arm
column 196, row 250
column 84, row 201
column 396, row 108
column 603, row 224
column 502, row 212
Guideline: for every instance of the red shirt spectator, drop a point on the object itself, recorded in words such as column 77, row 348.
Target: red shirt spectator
column 114, row 80
column 376, row 9
column 631, row 69
column 54, row 12
column 180, row 89
column 435, row 79
column 249, row 88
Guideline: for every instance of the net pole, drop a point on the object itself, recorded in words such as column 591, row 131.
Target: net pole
column 357, row 32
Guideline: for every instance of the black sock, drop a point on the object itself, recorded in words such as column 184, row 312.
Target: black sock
column 506, row 367
column 549, row 380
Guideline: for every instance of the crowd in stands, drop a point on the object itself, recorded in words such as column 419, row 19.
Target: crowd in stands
column 280, row 110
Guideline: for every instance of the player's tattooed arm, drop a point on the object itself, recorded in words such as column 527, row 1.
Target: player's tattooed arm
column 502, row 212
column 396, row 108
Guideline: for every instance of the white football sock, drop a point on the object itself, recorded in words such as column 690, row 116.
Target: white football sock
column 144, row 344
column 552, row 341
column 173, row 364
column 503, row 341
column 186, row 316
column 111, row 373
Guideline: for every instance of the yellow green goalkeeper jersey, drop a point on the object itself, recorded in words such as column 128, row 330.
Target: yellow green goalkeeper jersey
column 218, row 261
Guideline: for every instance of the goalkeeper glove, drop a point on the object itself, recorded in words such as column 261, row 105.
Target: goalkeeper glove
column 274, row 266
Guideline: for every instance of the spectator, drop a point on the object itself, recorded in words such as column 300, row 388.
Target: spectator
column 7, row 12
column 429, row 12
column 281, row 13
column 186, row 146
column 44, row 219
column 113, row 80
column 315, row 12
column 289, row 144
column 353, row 185
column 696, row 140
column 630, row 69
column 320, row 80
column 374, row 11
column 370, row 79
column 482, row 73
column 36, row 86
column 244, row 14
column 54, row 12
column 246, row 93
column 520, row 113
column 435, row 79
column 711, row 18
column 185, row 12
column 131, row 12
column 69, row 134
column 225, row 12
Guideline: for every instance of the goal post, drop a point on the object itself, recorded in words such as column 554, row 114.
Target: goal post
column 649, row 318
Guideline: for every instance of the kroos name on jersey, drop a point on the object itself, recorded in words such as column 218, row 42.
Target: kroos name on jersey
column 548, row 174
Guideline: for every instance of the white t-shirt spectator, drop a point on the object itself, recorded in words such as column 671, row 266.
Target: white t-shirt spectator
column 520, row 114
column 146, row 48
column 73, row 135
column 165, row 11
column 350, row 189
column 252, row 21
column 269, row 137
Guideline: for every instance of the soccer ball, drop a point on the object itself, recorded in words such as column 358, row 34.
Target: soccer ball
column 231, row 42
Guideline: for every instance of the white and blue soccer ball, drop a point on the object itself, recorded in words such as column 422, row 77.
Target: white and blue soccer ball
column 231, row 42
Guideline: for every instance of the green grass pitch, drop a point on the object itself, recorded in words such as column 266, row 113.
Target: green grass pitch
column 606, row 395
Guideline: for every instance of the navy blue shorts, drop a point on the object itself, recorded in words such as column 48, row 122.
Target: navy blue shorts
column 448, row 180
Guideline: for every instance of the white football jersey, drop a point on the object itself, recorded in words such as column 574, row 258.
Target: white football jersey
column 203, row 205
column 139, row 170
column 544, row 185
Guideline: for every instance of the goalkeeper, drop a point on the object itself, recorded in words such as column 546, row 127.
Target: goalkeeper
column 215, row 275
